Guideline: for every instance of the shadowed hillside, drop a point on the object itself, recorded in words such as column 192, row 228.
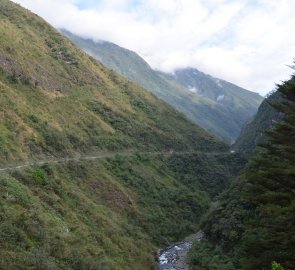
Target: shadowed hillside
column 252, row 133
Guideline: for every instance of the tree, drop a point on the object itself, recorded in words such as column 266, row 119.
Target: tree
column 270, row 233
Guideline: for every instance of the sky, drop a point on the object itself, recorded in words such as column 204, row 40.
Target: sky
column 248, row 42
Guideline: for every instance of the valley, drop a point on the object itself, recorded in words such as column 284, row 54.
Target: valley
column 94, row 169
column 175, row 256
column 107, row 164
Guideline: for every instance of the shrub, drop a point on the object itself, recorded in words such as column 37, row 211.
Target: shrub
column 276, row 266
column 39, row 176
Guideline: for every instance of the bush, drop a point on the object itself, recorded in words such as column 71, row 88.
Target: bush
column 39, row 176
column 276, row 266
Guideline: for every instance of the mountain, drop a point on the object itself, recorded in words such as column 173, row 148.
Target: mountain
column 225, row 93
column 240, row 103
column 221, row 108
column 94, row 170
column 251, row 226
column 252, row 133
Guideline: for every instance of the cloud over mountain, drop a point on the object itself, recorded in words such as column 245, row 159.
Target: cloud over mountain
column 247, row 42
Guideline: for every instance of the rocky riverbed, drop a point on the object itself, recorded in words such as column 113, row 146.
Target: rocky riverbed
column 174, row 256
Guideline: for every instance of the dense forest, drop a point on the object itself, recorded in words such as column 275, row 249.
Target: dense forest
column 252, row 225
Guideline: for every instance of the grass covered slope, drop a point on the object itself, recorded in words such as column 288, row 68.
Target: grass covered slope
column 61, row 101
column 56, row 102
column 217, row 117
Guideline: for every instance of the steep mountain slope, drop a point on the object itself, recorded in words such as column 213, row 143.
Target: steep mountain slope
column 57, row 105
column 232, row 96
column 252, row 225
column 216, row 116
column 240, row 103
column 253, row 132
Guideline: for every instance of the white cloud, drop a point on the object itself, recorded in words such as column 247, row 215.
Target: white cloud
column 247, row 42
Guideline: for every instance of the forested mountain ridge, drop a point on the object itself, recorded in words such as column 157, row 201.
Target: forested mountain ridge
column 57, row 105
column 223, row 117
column 252, row 133
column 252, row 225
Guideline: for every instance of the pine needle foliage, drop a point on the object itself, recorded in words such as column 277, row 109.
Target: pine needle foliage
column 271, row 188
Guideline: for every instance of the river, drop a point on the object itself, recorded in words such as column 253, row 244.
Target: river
column 174, row 256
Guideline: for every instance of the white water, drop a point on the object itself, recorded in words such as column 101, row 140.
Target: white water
column 174, row 256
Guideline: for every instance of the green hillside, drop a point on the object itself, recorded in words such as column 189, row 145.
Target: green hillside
column 221, row 119
column 252, row 224
column 252, row 133
column 60, row 108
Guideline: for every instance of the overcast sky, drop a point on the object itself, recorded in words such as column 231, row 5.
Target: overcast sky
column 247, row 42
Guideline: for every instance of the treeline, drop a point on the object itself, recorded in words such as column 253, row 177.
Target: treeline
column 253, row 224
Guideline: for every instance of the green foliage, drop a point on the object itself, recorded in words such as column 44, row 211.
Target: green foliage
column 211, row 172
column 253, row 221
column 223, row 226
column 271, row 190
column 157, row 190
column 276, row 266
column 61, row 225
column 203, row 256
column 253, row 132
column 95, row 214
column 39, row 176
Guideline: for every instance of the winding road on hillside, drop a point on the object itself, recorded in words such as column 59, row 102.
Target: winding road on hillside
column 170, row 258
column 103, row 156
